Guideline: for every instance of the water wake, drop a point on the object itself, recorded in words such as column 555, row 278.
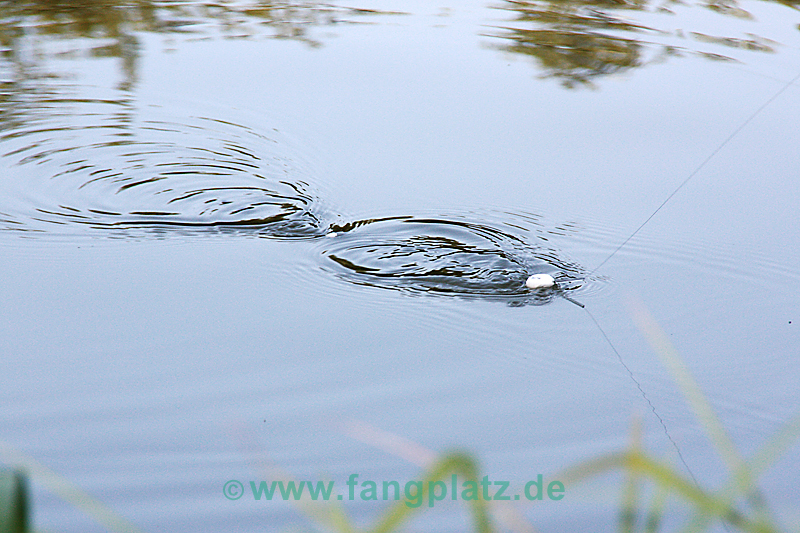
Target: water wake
column 110, row 168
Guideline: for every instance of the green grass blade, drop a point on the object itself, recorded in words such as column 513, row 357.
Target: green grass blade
column 743, row 474
column 14, row 513
column 67, row 491
column 656, row 512
column 452, row 463
column 786, row 437
column 706, row 504
column 631, row 486
column 690, row 389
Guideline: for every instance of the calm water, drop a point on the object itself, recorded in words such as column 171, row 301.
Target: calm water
column 246, row 238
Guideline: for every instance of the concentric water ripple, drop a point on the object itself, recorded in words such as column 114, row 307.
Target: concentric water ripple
column 106, row 167
column 111, row 166
column 446, row 256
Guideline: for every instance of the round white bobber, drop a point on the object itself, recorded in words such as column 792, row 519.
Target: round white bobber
column 540, row 281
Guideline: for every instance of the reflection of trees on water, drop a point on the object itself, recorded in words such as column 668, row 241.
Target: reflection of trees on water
column 578, row 41
column 34, row 32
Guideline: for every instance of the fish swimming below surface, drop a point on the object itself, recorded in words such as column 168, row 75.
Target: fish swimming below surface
column 120, row 169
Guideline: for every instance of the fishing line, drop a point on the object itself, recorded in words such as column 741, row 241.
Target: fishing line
column 699, row 168
column 644, row 395
column 696, row 171
column 532, row 282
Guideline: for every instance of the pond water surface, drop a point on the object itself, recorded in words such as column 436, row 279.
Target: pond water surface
column 250, row 237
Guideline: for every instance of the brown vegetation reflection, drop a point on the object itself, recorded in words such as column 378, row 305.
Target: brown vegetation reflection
column 575, row 41
column 578, row 41
column 30, row 30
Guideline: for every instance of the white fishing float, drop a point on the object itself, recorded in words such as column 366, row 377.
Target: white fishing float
column 540, row 281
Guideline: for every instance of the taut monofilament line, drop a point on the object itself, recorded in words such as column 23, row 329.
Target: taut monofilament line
column 544, row 281
column 699, row 167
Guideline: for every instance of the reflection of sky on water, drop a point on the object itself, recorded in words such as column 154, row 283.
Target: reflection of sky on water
column 115, row 166
column 577, row 42
column 34, row 30
column 127, row 359
column 103, row 168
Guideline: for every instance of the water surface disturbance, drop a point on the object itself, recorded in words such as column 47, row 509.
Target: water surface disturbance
column 453, row 256
column 104, row 167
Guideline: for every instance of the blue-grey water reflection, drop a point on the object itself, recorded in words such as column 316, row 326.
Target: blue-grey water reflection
column 212, row 216
column 108, row 165
column 448, row 256
column 103, row 168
